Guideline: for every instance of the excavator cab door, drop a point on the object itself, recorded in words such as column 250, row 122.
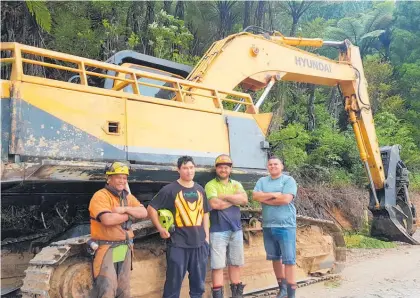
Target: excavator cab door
column 248, row 147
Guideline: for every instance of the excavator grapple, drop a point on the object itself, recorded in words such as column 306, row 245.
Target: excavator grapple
column 395, row 217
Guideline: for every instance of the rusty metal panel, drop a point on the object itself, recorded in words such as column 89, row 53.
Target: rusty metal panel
column 37, row 133
column 5, row 127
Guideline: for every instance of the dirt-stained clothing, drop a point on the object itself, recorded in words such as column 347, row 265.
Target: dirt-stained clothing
column 114, row 278
column 112, row 261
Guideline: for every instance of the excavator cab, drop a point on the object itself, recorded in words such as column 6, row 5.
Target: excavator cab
column 150, row 64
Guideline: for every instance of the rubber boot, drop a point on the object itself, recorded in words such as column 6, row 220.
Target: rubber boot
column 218, row 293
column 283, row 289
column 291, row 290
column 233, row 289
column 237, row 290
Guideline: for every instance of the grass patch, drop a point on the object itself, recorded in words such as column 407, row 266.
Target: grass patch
column 332, row 283
column 362, row 241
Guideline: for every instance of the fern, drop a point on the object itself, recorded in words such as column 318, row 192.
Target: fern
column 373, row 34
column 39, row 10
column 352, row 26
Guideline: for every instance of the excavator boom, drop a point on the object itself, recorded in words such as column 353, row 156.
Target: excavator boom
column 254, row 61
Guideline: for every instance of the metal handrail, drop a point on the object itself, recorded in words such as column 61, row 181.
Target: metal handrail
column 180, row 87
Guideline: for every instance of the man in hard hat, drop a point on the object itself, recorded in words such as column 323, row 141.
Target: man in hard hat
column 188, row 244
column 112, row 211
column 226, row 239
column 276, row 193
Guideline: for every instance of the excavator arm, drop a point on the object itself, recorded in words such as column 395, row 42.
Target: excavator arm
column 255, row 61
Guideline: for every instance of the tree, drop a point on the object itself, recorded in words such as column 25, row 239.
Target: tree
column 180, row 9
column 296, row 9
column 247, row 13
column 370, row 30
column 25, row 21
column 167, row 6
column 223, row 11
column 170, row 38
column 259, row 15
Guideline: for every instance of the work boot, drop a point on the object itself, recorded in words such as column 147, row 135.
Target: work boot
column 283, row 289
column 237, row 290
column 291, row 289
column 218, row 292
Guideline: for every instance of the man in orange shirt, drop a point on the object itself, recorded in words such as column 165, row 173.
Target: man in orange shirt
column 112, row 211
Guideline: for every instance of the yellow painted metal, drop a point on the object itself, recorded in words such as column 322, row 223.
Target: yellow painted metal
column 229, row 62
column 107, row 92
column 201, row 93
column 146, row 124
column 17, row 68
column 298, row 41
column 360, row 115
column 46, row 64
column 75, row 108
column 158, row 128
column 83, row 77
column 263, row 121
column 5, row 89
column 7, row 60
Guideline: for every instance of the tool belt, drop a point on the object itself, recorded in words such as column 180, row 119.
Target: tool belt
column 106, row 242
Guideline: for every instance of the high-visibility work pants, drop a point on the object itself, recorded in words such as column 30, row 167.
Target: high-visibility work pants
column 113, row 279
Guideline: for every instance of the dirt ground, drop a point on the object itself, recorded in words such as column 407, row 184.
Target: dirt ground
column 376, row 273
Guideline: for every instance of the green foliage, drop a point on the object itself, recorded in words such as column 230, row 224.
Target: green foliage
column 133, row 41
column 362, row 241
column 332, row 148
column 365, row 29
column 170, row 38
column 390, row 131
column 379, row 75
column 73, row 32
column 39, row 10
column 290, row 143
column 414, row 181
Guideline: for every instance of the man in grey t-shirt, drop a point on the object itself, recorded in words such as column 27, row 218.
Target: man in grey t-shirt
column 276, row 193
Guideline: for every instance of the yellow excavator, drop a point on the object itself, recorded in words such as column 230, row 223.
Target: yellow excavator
column 65, row 117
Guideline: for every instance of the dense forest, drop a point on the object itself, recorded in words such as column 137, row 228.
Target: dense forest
column 310, row 129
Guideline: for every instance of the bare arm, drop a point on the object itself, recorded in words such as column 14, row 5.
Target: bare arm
column 260, row 196
column 113, row 219
column 137, row 212
column 239, row 198
column 219, row 204
column 279, row 199
column 153, row 215
column 206, row 224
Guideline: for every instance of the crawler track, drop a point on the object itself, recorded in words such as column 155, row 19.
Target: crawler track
column 272, row 292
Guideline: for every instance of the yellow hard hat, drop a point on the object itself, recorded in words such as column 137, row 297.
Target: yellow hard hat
column 223, row 159
column 166, row 219
column 117, row 168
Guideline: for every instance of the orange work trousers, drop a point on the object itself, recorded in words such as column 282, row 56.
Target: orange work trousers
column 113, row 279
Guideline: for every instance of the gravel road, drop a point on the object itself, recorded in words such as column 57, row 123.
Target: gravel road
column 375, row 273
